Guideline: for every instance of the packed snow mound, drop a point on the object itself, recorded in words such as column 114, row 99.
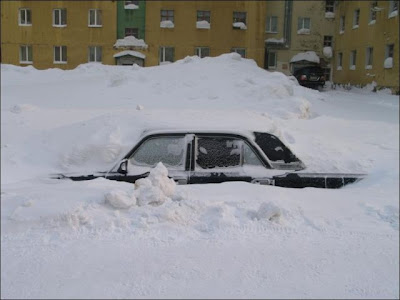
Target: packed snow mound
column 120, row 199
column 310, row 56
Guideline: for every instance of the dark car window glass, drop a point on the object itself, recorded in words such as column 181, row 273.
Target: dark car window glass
column 218, row 152
column 249, row 157
column 274, row 148
column 168, row 150
column 308, row 71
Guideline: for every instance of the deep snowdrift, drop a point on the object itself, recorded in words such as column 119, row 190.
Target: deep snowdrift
column 110, row 239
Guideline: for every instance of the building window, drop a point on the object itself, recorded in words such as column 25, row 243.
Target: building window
column 271, row 60
column 353, row 59
column 389, row 56
column 393, row 8
column 94, row 54
column 369, row 57
column 342, row 24
column 60, row 54
column 329, row 6
column 239, row 20
column 167, row 15
column 132, row 31
column 327, row 41
column 372, row 12
column 339, row 61
column 202, row 51
column 25, row 54
column 25, row 17
column 167, row 54
column 272, row 24
column 356, row 18
column 95, row 18
column 59, row 17
column 241, row 51
column 204, row 15
column 303, row 25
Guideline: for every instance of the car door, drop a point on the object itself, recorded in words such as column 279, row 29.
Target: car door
column 219, row 158
column 171, row 150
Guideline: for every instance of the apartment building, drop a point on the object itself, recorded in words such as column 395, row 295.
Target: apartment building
column 367, row 43
column 57, row 34
column 176, row 29
column 299, row 33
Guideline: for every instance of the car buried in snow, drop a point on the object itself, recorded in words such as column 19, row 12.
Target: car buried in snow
column 196, row 157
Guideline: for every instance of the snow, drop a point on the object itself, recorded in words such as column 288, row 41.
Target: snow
column 388, row 63
column 368, row 67
column 352, row 67
column 130, row 41
column 310, row 56
column 327, row 52
column 341, row 31
column 131, row 6
column 240, row 25
column 167, row 24
column 372, row 22
column 393, row 14
column 155, row 239
column 203, row 24
column 303, row 31
column 131, row 53
column 275, row 41
column 355, row 26
column 329, row 15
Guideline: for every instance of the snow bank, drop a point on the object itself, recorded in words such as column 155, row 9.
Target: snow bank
column 130, row 41
column 310, row 56
column 131, row 53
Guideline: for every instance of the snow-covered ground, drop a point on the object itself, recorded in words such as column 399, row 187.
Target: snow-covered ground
column 107, row 239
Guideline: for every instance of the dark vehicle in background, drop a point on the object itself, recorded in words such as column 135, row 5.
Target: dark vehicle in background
column 311, row 77
column 196, row 156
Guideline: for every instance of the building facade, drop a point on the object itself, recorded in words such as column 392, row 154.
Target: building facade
column 367, row 43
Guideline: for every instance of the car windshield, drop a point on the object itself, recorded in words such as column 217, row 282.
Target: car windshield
column 311, row 70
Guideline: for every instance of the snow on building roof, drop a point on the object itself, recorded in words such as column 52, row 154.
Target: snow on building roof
column 131, row 53
column 310, row 56
column 130, row 41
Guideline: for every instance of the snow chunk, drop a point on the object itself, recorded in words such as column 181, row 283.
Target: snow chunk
column 131, row 53
column 310, row 56
column 268, row 211
column 339, row 68
column 393, row 14
column 131, row 6
column 130, row 41
column 156, row 188
column 120, row 199
column 275, row 41
column 327, row 52
column 388, row 63
column 368, row 67
column 341, row 31
column 240, row 25
column 203, row 24
column 372, row 22
column 19, row 108
column 303, row 31
column 353, row 67
column 329, row 15
column 167, row 24
column 355, row 26
column 139, row 107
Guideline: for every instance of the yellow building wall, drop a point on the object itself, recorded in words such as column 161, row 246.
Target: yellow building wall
column 77, row 36
column 220, row 38
column 384, row 31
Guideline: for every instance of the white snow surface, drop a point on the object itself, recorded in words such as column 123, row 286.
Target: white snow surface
column 327, row 52
column 388, row 63
column 310, row 56
column 240, row 25
column 303, row 31
column 131, row 53
column 130, row 41
column 329, row 15
column 203, row 24
column 275, row 41
column 167, row 24
column 155, row 239
column 131, row 6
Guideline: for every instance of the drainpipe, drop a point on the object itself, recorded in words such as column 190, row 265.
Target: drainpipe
column 287, row 23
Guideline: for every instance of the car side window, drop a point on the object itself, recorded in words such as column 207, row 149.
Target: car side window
column 224, row 152
column 168, row 150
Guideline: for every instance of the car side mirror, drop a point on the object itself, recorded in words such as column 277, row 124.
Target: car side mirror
column 123, row 167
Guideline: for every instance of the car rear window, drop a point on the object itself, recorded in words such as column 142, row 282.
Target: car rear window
column 274, row 148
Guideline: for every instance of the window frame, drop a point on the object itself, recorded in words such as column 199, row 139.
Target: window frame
column 199, row 50
column 59, row 10
column 328, row 41
column 238, row 49
column 162, row 54
column 393, row 6
column 270, row 67
column 97, row 49
column 339, row 64
column 372, row 12
column 25, row 11
column 167, row 17
column 133, row 29
column 269, row 24
column 369, row 57
column 329, row 6
column 353, row 59
column 28, row 49
column 97, row 13
column 62, row 49
column 303, row 23
column 238, row 17
column 203, row 17
column 342, row 24
column 356, row 18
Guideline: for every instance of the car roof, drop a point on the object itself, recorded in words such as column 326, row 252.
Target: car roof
column 156, row 131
